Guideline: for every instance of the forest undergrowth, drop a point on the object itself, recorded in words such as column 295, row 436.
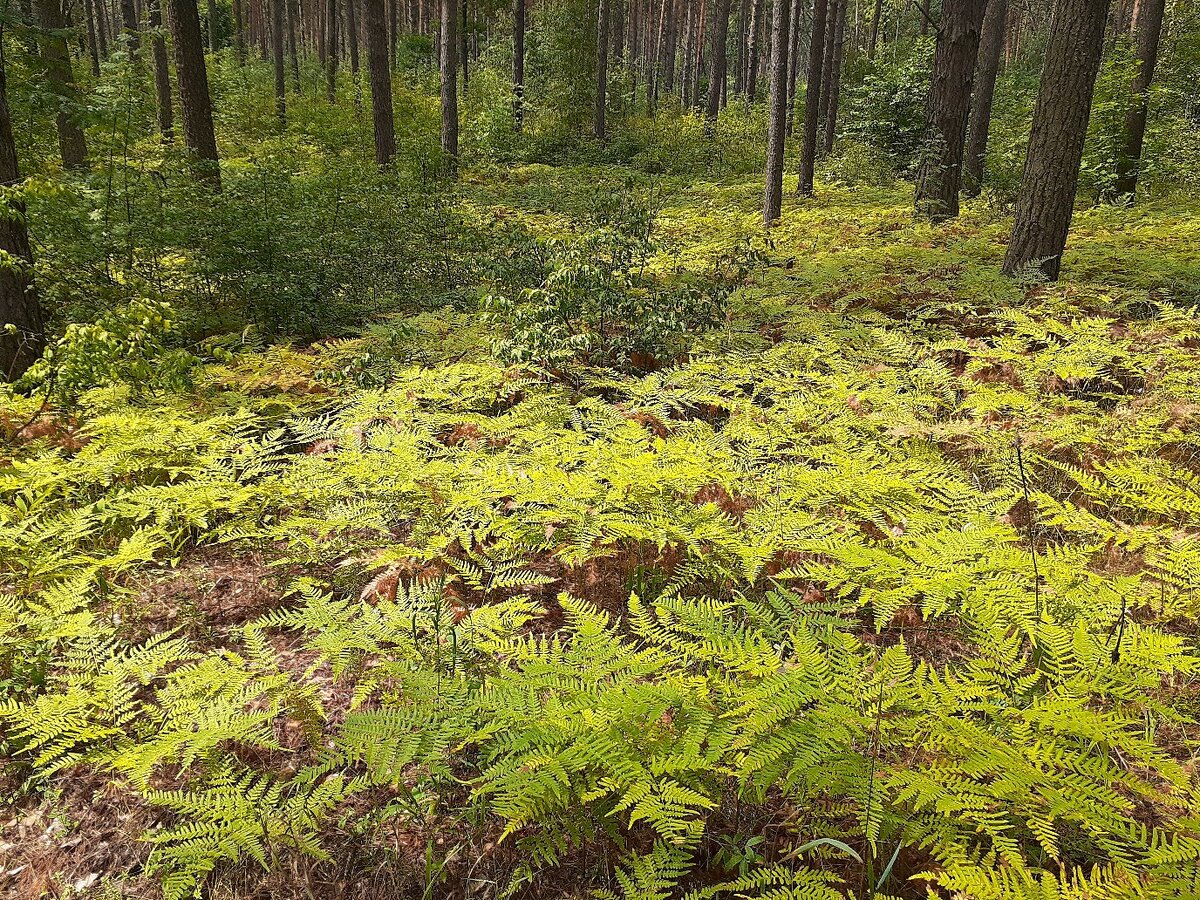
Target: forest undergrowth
column 882, row 583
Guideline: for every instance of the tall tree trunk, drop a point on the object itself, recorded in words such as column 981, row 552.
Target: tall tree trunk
column 331, row 50
column 129, row 21
column 449, row 70
column 988, row 66
column 720, row 64
column 381, row 83
column 1147, row 28
column 93, row 46
column 601, row 70
column 518, row 64
column 195, row 102
column 827, row 57
column 293, row 53
column 838, row 47
column 698, row 100
column 278, row 59
column 739, row 81
column 352, row 36
column 778, row 112
column 57, row 60
column 689, row 50
column 812, row 98
column 618, row 31
column 101, row 24
column 1060, row 118
column 752, row 50
column 463, row 48
column 947, row 108
column 19, row 304
column 794, row 17
column 213, row 44
column 162, row 72
column 875, row 16
column 239, row 33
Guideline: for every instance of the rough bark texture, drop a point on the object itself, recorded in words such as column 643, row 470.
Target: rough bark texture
column 129, row 21
column 990, row 44
column 292, row 50
column 832, row 89
column 720, row 64
column 827, row 56
column 93, row 47
column 875, row 16
column 794, row 25
column 162, row 72
column 278, row 60
column 1060, row 119
column 518, row 64
column 19, row 304
column 947, row 109
column 752, row 50
column 1147, row 30
column 239, row 33
column 381, row 82
column 812, row 98
column 195, row 102
column 449, row 70
column 57, row 60
column 778, row 111
column 601, row 70
column 463, row 49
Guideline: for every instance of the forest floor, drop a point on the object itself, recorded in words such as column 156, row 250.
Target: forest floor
column 883, row 427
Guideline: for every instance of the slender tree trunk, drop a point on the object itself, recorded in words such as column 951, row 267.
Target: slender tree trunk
column 1147, row 27
column 93, row 46
column 518, row 64
column 988, row 66
column 463, row 49
column 195, row 103
column 331, row 50
column 689, row 50
column 56, row 58
column 352, row 36
column 794, row 17
column 213, row 44
column 739, row 81
column 239, row 33
column 875, row 16
column 293, row 53
column 752, row 50
column 838, row 48
column 812, row 98
column 381, row 83
column 598, row 124
column 827, row 57
column 720, row 65
column 101, row 25
column 277, row 59
column 19, row 305
column 947, row 108
column 449, row 47
column 698, row 100
column 618, row 31
column 778, row 114
column 1060, row 118
column 162, row 72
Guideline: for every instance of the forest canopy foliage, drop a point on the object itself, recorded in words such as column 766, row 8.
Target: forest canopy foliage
column 530, row 521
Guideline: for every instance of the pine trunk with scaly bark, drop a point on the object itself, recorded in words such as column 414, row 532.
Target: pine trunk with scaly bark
column 778, row 112
column 195, row 102
column 991, row 43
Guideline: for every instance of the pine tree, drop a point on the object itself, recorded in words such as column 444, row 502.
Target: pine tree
column 278, row 60
column 21, row 343
column 449, row 70
column 812, row 99
column 1147, row 27
column 991, row 43
column 947, row 109
column 57, row 60
column 1060, row 119
column 195, row 103
column 518, row 64
column 381, row 83
column 601, row 69
column 777, row 122
column 162, row 72
column 720, row 65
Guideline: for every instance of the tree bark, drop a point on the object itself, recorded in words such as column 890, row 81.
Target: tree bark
column 518, row 64
column 947, row 109
column 837, row 47
column 875, row 16
column 331, row 50
column 827, row 56
column 381, row 83
column 778, row 112
column 812, row 98
column 57, row 60
column 239, row 33
column 195, row 103
column 720, row 65
column 1060, row 118
column 463, row 49
column 752, row 50
column 19, row 305
column 689, row 50
column 213, row 43
column 598, row 124
column 129, row 21
column 794, row 22
column 93, row 46
column 449, row 70
column 697, row 67
column 293, row 53
column 162, row 72
column 988, row 66
column 739, row 81
column 1147, row 30
column 277, row 59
